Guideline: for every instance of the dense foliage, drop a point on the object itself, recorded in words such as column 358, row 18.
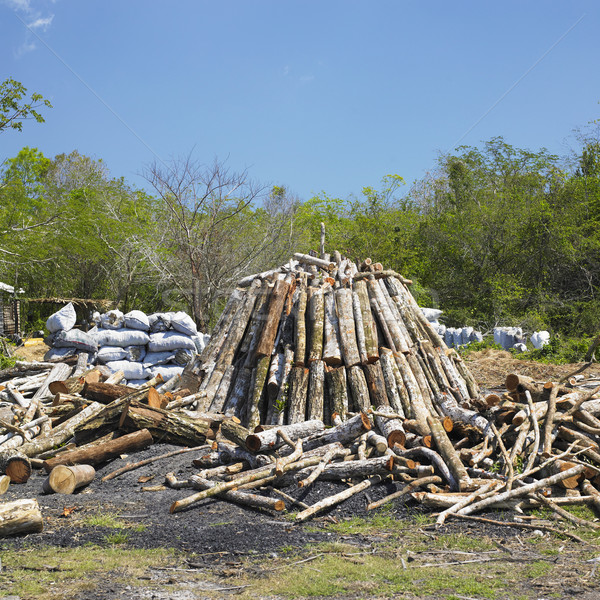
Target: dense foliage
column 495, row 235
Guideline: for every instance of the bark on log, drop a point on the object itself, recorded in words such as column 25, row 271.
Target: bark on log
column 376, row 385
column 268, row 440
column 313, row 260
column 315, row 315
column 394, row 387
column 332, row 354
column 450, row 408
column 300, row 330
column 451, row 457
column 237, row 398
column 230, row 346
column 65, row 480
column 58, row 372
column 336, row 499
column 368, row 324
column 101, row 453
column 16, row 465
column 396, row 340
column 343, row 433
column 359, row 389
column 273, row 317
column 235, row 432
column 257, row 386
column 4, row 483
column 277, row 411
column 316, row 391
column 61, row 433
column 391, row 429
column 105, row 393
column 167, row 426
column 297, row 395
column 20, row 517
column 337, row 391
column 345, row 311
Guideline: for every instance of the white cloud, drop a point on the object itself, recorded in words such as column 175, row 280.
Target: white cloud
column 26, row 10
column 42, row 23
column 24, row 48
column 22, row 5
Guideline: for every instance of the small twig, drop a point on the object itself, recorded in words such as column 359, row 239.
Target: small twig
column 565, row 514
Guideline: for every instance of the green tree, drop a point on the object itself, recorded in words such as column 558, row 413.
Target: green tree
column 15, row 107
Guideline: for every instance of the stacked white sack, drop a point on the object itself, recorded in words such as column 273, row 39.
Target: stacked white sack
column 140, row 345
column 64, row 339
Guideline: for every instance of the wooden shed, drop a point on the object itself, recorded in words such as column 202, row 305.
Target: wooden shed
column 10, row 315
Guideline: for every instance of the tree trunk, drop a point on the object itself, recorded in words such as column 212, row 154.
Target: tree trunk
column 300, row 330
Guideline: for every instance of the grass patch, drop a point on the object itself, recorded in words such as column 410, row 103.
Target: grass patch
column 48, row 573
column 110, row 520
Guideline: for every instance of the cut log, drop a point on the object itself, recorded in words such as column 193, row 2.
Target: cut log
column 272, row 319
column 268, row 440
column 16, row 465
column 345, row 311
column 4, row 483
column 20, row 517
column 300, row 330
column 332, row 354
column 343, row 433
column 105, row 393
column 230, row 346
column 315, row 314
column 167, row 426
column 313, row 260
column 65, row 480
column 316, row 391
column 101, row 453
column 359, row 389
column 297, row 395
column 61, row 433
column 368, row 323
column 394, row 387
column 257, row 386
column 337, row 390
column 376, row 385
column 391, row 429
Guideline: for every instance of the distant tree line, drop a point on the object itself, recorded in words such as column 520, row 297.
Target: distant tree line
column 494, row 235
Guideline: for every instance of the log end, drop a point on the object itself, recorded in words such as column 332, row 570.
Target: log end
column 253, row 443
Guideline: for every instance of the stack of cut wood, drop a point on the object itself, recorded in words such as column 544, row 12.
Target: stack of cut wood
column 320, row 369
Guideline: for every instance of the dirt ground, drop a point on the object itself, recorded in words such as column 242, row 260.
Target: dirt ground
column 214, row 534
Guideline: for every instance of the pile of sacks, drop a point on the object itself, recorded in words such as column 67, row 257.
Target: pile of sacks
column 140, row 345
column 452, row 336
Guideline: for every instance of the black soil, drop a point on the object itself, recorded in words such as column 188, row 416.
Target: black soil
column 210, row 526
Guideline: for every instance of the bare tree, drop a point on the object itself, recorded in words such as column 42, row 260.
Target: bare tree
column 217, row 224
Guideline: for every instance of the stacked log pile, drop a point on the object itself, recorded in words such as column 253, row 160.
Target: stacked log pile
column 320, row 370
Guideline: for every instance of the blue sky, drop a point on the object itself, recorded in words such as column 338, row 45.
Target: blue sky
column 324, row 95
